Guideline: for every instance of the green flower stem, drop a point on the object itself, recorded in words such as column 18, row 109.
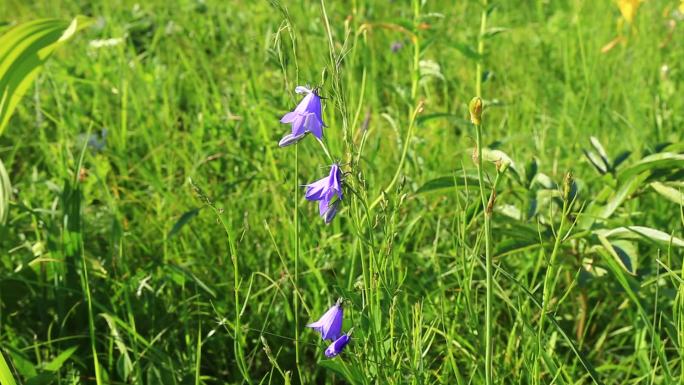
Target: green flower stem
column 549, row 283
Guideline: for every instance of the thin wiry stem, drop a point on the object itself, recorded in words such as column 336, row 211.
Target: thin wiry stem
column 237, row 341
column 549, row 283
column 487, row 214
column 488, row 258
column 296, row 259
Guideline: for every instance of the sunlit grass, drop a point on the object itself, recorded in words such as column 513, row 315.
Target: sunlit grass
column 180, row 248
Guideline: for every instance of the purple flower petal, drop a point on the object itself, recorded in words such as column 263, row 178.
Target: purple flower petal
column 289, row 117
column 314, row 126
column 331, row 212
column 316, row 190
column 302, row 90
column 290, row 139
column 298, row 127
column 330, row 324
column 323, row 206
column 336, row 347
column 307, row 116
column 334, row 178
column 325, row 190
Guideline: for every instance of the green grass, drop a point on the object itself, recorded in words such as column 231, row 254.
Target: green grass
column 183, row 251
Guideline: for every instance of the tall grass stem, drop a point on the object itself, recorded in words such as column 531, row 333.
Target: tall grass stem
column 487, row 215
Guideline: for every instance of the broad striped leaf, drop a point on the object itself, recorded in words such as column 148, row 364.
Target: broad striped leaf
column 6, row 377
column 5, row 191
column 23, row 51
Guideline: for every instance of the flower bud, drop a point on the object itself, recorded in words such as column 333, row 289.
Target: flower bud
column 475, row 108
column 490, row 204
column 567, row 185
column 330, row 214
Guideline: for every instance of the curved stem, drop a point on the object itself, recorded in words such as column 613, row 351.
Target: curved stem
column 296, row 258
column 325, row 149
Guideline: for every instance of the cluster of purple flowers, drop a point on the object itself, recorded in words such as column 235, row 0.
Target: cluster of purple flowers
column 307, row 118
column 330, row 327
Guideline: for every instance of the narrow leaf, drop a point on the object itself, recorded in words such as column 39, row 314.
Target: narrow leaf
column 619, row 254
column 5, row 192
column 58, row 361
column 6, row 377
column 668, row 192
column 651, row 163
column 182, row 221
column 449, row 182
column 599, row 148
column 641, row 232
column 596, row 161
column 491, row 32
column 467, row 51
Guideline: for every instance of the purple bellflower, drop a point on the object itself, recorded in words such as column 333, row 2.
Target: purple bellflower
column 324, row 191
column 290, row 139
column 336, row 347
column 305, row 118
column 330, row 324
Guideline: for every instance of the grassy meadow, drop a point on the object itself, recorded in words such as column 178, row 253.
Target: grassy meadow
column 152, row 231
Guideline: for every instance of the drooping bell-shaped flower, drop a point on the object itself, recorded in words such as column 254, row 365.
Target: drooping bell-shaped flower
column 330, row 324
column 336, row 347
column 290, row 139
column 324, row 191
column 306, row 117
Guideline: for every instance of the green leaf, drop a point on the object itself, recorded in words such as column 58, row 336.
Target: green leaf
column 6, row 377
column 628, row 284
column 659, row 161
column 580, row 356
column 23, row 51
column 641, row 232
column 44, row 378
column 491, row 32
column 623, row 253
column 5, row 193
column 668, row 192
column 545, row 181
column 459, row 181
column 467, row 51
column 350, row 372
column 22, row 364
column 618, row 198
column 58, row 361
column 599, row 148
column 531, row 170
column 183, row 220
column 596, row 161
column 620, row 158
column 194, row 278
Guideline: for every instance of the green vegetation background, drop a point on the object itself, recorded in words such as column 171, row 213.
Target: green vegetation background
column 196, row 89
